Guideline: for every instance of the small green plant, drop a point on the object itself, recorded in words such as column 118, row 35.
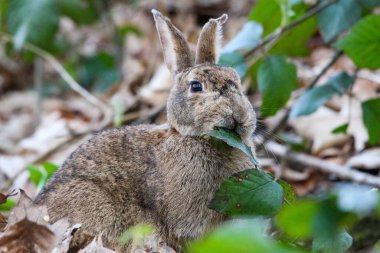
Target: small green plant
column 40, row 175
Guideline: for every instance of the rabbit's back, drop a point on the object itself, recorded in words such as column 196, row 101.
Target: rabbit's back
column 103, row 185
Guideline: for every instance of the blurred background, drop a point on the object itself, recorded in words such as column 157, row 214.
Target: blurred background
column 69, row 68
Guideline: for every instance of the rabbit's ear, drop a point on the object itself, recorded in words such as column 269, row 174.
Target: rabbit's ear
column 176, row 50
column 210, row 40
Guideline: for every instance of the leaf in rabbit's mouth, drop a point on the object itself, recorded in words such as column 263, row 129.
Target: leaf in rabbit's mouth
column 233, row 140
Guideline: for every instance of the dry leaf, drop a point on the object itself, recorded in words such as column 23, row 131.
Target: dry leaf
column 96, row 246
column 64, row 235
column 29, row 237
column 368, row 159
column 3, row 222
column 318, row 128
column 26, row 210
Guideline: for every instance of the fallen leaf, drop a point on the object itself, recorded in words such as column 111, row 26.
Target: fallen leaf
column 319, row 126
column 96, row 246
column 368, row 159
column 26, row 210
column 3, row 222
column 64, row 234
column 27, row 237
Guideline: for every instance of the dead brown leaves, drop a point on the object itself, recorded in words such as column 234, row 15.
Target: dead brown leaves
column 27, row 236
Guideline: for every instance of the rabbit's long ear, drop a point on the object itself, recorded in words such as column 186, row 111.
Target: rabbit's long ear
column 210, row 40
column 176, row 50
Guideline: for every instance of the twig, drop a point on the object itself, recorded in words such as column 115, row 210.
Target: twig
column 333, row 60
column 105, row 109
column 290, row 26
column 343, row 172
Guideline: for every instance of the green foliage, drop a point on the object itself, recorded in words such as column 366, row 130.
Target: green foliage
column 100, row 71
column 40, row 175
column 277, row 78
column 294, row 42
column 246, row 39
column 296, row 220
column 137, row 232
column 324, row 219
column 80, row 11
column 119, row 109
column 243, row 236
column 33, row 21
column 338, row 17
column 233, row 140
column 370, row 3
column 362, row 44
column 234, row 60
column 250, row 192
column 8, row 205
column 267, row 13
column 342, row 129
column 272, row 14
column 312, row 99
column 371, row 119
column 36, row 21
column 289, row 193
column 339, row 243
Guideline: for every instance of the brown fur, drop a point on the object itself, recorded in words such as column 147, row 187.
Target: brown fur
column 150, row 174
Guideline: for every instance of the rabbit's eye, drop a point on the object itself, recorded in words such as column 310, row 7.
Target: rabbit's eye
column 195, row 86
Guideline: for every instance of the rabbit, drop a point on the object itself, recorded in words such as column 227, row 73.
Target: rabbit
column 160, row 175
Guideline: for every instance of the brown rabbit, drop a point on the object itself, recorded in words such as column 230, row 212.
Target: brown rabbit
column 157, row 175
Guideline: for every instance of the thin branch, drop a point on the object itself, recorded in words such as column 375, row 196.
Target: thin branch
column 333, row 60
column 313, row 11
column 105, row 109
column 343, row 172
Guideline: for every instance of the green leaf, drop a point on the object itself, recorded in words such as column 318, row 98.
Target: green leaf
column 137, row 232
column 3, row 11
column 117, row 103
column 238, row 237
column 34, row 21
column 362, row 44
column 277, row 78
column 8, row 205
column 370, row 3
column 294, row 42
column 296, row 220
column 342, row 129
column 35, row 174
column 130, row 29
column 234, row 140
column 100, row 70
column 234, row 60
column 312, row 99
column 268, row 14
column 338, row 17
column 371, row 119
column 250, row 192
column 50, row 168
column 80, row 11
column 248, row 37
column 290, row 196
column 336, row 244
